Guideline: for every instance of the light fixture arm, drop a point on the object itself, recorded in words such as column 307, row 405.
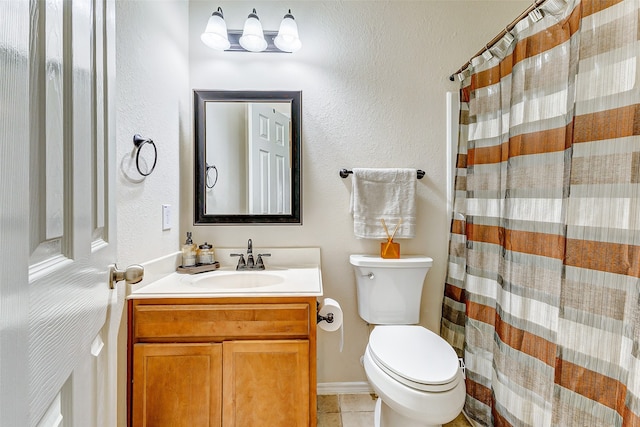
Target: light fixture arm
column 218, row 13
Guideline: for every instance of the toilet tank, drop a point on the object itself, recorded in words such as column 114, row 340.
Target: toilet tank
column 389, row 291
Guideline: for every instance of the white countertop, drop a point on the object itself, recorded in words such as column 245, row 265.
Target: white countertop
column 280, row 278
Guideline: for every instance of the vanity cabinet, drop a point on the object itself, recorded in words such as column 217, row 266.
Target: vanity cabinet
column 225, row 362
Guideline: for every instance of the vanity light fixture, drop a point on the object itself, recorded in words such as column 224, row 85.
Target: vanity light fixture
column 252, row 35
column 215, row 35
column 287, row 39
column 252, row 38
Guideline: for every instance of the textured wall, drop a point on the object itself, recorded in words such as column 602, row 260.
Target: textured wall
column 373, row 77
column 152, row 93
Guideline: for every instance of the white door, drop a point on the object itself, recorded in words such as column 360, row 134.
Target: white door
column 269, row 160
column 57, row 219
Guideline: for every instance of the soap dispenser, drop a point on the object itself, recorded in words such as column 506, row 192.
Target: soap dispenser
column 188, row 252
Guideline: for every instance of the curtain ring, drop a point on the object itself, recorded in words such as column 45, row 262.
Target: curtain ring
column 536, row 14
column 139, row 142
column 487, row 55
column 215, row 181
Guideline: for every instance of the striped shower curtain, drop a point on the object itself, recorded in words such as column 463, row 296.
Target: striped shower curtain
column 542, row 296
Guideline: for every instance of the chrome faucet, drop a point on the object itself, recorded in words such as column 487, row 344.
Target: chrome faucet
column 250, row 264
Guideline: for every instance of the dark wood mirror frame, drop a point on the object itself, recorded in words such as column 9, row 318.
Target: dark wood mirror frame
column 200, row 98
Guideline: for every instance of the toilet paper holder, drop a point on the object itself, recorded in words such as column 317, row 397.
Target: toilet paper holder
column 328, row 318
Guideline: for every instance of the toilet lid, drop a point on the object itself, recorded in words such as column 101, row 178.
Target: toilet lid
column 414, row 354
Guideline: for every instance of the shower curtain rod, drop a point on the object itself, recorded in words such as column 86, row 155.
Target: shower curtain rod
column 497, row 38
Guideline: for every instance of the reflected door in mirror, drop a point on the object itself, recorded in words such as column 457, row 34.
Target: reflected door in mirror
column 269, row 160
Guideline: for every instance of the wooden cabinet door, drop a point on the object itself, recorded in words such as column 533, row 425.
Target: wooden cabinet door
column 266, row 383
column 177, row 385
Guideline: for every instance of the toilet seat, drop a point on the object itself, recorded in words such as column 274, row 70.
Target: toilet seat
column 415, row 356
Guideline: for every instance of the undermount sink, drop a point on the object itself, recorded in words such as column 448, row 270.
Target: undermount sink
column 236, row 279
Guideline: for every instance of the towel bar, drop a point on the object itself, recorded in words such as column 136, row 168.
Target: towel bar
column 345, row 173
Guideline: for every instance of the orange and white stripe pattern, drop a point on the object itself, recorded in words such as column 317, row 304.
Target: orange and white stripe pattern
column 542, row 297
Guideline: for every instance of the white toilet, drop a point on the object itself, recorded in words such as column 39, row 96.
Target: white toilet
column 415, row 373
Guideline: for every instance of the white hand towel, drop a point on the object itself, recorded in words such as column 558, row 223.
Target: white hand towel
column 383, row 193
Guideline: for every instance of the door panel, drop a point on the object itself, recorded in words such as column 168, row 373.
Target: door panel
column 14, row 209
column 177, row 385
column 62, row 227
column 266, row 383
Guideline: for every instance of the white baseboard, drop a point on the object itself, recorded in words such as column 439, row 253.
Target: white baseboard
column 344, row 388
column 359, row 387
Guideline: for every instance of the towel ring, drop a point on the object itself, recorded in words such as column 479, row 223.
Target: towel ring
column 139, row 142
column 215, row 181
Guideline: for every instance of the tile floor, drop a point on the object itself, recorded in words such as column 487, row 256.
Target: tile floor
column 356, row 410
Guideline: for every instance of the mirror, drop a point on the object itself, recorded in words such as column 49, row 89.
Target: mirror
column 247, row 157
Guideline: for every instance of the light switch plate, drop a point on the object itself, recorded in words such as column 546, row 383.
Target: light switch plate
column 166, row 217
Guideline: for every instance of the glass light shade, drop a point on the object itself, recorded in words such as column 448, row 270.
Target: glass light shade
column 287, row 39
column 252, row 36
column 215, row 35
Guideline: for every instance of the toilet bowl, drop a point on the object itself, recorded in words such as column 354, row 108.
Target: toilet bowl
column 415, row 373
